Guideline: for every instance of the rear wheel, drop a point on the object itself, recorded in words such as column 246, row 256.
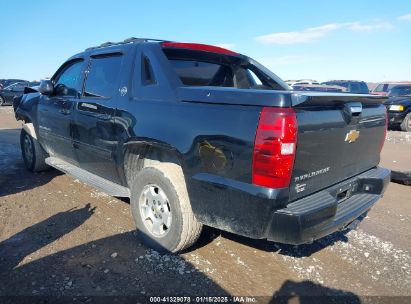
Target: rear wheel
column 1, row 101
column 161, row 209
column 406, row 123
column 33, row 154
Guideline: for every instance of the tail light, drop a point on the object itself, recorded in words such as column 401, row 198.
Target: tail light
column 274, row 147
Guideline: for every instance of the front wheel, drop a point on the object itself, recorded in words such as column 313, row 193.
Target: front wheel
column 1, row 101
column 33, row 154
column 406, row 123
column 161, row 209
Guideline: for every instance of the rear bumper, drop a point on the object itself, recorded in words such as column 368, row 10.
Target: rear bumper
column 264, row 213
column 322, row 213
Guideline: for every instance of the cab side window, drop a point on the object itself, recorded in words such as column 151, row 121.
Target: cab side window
column 103, row 76
column 69, row 81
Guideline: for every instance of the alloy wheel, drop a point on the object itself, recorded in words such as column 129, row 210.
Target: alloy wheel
column 155, row 210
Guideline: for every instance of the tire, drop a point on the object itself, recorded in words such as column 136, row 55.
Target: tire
column 183, row 229
column 2, row 101
column 33, row 154
column 406, row 123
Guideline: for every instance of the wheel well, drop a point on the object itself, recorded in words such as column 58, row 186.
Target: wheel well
column 137, row 157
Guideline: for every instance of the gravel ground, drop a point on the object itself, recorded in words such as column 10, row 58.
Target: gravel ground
column 61, row 237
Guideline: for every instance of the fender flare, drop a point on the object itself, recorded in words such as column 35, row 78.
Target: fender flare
column 29, row 128
column 144, row 148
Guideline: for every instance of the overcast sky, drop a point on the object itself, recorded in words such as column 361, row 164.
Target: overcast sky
column 346, row 39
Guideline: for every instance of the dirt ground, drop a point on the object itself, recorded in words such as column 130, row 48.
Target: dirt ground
column 60, row 237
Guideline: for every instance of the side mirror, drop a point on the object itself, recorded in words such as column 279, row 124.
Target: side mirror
column 60, row 90
column 46, row 87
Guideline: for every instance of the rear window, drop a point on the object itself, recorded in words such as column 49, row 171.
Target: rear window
column 197, row 73
column 196, row 68
column 400, row 91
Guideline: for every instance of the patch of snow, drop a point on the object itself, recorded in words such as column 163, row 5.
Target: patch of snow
column 98, row 194
column 175, row 263
column 382, row 259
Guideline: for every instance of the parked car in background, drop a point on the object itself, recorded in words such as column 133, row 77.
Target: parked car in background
column 351, row 86
column 318, row 88
column 6, row 82
column 383, row 88
column 34, row 83
column 399, row 107
column 301, row 82
column 15, row 90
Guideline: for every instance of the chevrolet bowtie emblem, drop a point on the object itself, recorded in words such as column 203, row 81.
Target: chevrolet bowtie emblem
column 352, row 136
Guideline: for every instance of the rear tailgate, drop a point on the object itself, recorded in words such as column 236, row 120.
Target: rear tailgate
column 339, row 136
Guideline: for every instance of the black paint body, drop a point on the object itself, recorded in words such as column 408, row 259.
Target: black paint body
column 211, row 130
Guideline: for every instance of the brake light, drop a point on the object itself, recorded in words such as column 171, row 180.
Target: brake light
column 199, row 47
column 274, row 147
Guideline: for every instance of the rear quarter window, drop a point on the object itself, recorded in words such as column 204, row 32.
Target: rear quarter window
column 147, row 74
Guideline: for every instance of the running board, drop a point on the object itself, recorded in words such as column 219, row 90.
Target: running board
column 89, row 178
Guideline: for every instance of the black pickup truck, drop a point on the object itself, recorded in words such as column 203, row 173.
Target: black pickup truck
column 199, row 135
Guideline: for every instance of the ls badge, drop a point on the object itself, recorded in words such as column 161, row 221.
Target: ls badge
column 352, row 136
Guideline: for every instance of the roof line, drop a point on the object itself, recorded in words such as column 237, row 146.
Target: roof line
column 126, row 41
